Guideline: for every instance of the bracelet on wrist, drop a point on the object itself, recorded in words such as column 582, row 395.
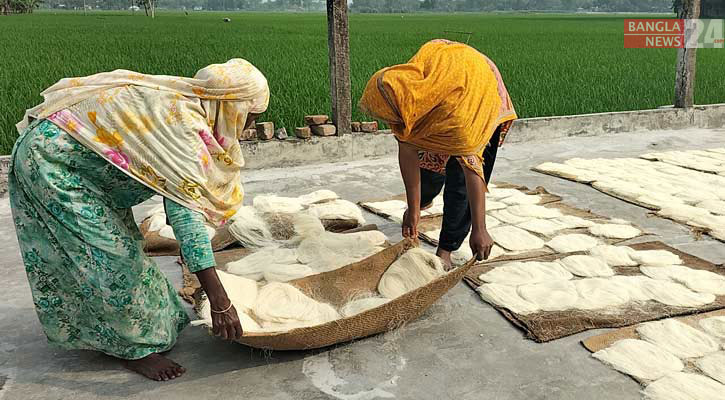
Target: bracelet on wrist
column 222, row 311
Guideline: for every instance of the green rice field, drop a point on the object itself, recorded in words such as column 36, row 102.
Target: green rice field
column 552, row 64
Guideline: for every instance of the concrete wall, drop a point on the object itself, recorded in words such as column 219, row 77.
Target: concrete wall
column 666, row 118
column 358, row 146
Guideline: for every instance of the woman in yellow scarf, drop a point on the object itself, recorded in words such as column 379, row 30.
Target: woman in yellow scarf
column 94, row 148
column 449, row 110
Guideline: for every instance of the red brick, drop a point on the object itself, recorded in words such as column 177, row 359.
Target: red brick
column 265, row 130
column 303, row 132
column 316, row 119
column 324, row 130
column 369, row 126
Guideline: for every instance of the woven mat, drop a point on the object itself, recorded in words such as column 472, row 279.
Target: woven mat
column 191, row 289
column 337, row 286
column 157, row 245
column 596, row 343
column 599, row 342
column 429, row 224
column 696, row 231
column 547, row 326
column 546, row 198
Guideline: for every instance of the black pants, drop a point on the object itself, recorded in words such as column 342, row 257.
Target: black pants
column 456, row 212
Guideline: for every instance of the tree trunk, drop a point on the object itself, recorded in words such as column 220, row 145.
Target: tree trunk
column 339, row 57
column 686, row 59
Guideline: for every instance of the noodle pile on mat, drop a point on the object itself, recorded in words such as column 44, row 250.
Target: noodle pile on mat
column 267, row 221
column 311, row 251
column 281, row 307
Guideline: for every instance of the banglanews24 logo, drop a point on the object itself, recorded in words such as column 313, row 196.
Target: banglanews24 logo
column 674, row 33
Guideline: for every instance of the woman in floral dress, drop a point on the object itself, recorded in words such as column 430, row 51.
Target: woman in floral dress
column 94, row 148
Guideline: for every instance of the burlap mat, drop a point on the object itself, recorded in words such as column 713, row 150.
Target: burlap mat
column 429, row 224
column 547, row 326
column 697, row 232
column 157, row 245
column 191, row 289
column 596, row 343
column 599, row 342
column 338, row 286
column 191, row 285
column 546, row 198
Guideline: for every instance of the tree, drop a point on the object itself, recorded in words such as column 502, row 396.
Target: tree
column 148, row 6
column 20, row 6
column 31, row 5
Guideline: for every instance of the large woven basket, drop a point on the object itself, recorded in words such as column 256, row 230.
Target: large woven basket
column 336, row 287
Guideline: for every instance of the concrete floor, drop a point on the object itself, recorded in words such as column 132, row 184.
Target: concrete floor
column 460, row 349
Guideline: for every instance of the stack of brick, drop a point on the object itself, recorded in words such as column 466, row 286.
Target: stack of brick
column 318, row 125
column 365, row 127
column 263, row 131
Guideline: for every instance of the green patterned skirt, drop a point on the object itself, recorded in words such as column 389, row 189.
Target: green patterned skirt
column 92, row 285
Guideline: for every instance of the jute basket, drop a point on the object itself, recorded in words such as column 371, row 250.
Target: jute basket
column 338, row 286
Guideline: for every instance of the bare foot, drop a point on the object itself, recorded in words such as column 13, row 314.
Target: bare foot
column 446, row 257
column 156, row 367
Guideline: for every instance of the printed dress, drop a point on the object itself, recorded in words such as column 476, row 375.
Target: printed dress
column 92, row 285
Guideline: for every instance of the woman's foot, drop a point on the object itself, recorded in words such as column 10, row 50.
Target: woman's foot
column 156, row 367
column 445, row 255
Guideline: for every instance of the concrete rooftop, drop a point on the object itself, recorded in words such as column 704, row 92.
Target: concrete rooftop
column 460, row 349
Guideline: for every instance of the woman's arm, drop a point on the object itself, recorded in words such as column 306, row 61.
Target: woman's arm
column 190, row 231
column 226, row 324
column 480, row 240
column 409, row 169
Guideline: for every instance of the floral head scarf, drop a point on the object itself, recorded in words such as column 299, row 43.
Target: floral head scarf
column 179, row 136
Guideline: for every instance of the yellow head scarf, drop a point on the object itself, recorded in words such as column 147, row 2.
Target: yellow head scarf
column 445, row 99
column 179, row 136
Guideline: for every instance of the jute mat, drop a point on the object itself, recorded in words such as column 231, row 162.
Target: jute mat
column 429, row 224
column 547, row 326
column 191, row 289
column 157, row 245
column 546, row 198
column 338, row 286
column 599, row 342
column 697, row 231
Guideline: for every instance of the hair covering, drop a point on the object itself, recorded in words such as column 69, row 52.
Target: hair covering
column 446, row 99
column 179, row 136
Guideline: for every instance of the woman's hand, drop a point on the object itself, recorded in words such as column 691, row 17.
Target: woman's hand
column 410, row 224
column 226, row 325
column 480, row 240
column 409, row 169
column 481, row 243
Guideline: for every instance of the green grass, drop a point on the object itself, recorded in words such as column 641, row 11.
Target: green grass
column 552, row 64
